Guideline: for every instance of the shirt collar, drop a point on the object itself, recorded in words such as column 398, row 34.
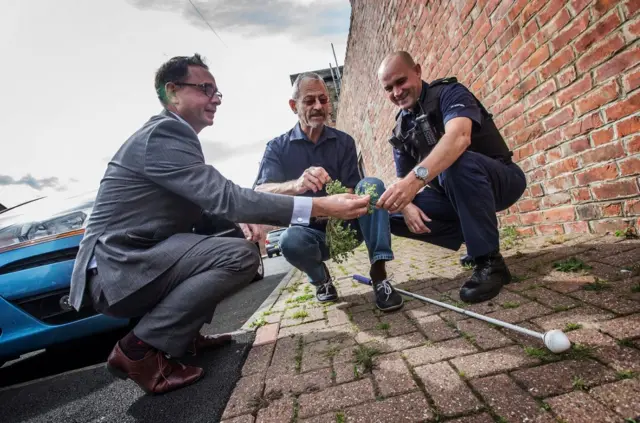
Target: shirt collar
column 423, row 95
column 298, row 134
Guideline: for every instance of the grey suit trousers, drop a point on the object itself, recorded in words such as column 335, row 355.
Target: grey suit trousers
column 173, row 307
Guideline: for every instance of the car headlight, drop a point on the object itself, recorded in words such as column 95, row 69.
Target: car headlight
column 43, row 220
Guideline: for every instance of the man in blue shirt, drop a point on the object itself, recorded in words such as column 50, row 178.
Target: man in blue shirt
column 300, row 163
column 446, row 139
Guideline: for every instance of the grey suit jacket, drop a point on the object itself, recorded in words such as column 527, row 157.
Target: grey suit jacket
column 154, row 190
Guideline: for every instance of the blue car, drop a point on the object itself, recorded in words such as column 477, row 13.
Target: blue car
column 38, row 244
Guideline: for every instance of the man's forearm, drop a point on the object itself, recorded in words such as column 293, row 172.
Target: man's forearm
column 285, row 188
column 444, row 154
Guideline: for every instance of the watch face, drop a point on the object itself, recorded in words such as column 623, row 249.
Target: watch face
column 421, row 172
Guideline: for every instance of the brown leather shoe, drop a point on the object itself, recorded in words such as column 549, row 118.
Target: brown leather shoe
column 155, row 374
column 203, row 342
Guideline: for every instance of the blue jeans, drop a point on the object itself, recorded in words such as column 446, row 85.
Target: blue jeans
column 306, row 248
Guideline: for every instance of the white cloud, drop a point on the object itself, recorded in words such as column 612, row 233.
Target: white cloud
column 80, row 82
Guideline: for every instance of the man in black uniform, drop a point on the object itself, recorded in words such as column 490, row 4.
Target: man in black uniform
column 446, row 139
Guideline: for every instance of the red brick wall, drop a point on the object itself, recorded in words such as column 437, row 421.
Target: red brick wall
column 560, row 77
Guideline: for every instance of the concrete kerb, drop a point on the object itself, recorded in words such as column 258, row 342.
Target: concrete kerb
column 270, row 301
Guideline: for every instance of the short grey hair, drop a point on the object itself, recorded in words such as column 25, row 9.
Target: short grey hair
column 302, row 77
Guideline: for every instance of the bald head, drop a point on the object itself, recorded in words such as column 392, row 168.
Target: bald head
column 401, row 79
column 402, row 57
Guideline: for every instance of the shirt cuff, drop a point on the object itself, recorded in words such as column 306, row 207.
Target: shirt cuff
column 301, row 210
column 92, row 264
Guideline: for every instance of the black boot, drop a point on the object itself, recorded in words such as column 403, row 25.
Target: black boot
column 489, row 276
column 467, row 260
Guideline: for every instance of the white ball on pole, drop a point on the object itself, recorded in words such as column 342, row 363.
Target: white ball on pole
column 556, row 341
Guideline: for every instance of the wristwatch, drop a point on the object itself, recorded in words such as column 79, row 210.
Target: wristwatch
column 421, row 173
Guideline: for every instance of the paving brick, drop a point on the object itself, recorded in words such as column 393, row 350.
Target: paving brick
column 340, row 349
column 366, row 320
column 509, row 401
column 335, row 398
column 398, row 324
column 584, row 315
column 284, row 357
column 503, row 298
column 396, row 343
column 244, row 396
column 438, row 352
column 485, row 336
column 328, row 332
column 323, row 418
column 579, row 407
column 361, row 307
column 609, row 300
column 345, row 372
column 591, row 338
column 606, row 247
column 622, row 327
column 404, row 408
column 423, row 311
column 302, row 329
column 621, row 259
column 476, row 418
column 621, row 397
column 559, row 378
column 278, row 411
column 566, row 282
column 393, row 376
column 550, row 298
column 258, row 359
column 337, row 318
column 267, row 334
column 375, row 335
column 524, row 312
column 314, row 356
column 503, row 359
column 247, row 418
column 298, row 383
column 436, row 329
column 620, row 358
column 449, row 392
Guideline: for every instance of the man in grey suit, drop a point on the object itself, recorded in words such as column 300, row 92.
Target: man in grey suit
column 140, row 257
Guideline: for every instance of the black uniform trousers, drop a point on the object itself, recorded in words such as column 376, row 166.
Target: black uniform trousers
column 462, row 203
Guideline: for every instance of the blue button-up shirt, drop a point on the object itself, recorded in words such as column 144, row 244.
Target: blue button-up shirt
column 455, row 101
column 289, row 155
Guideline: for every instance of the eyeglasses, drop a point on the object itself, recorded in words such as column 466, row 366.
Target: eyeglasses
column 207, row 88
column 310, row 101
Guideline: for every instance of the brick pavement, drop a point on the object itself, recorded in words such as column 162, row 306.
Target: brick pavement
column 347, row 362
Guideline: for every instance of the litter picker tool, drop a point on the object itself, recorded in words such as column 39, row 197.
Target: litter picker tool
column 555, row 340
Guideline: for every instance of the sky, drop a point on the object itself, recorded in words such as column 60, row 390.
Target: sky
column 78, row 80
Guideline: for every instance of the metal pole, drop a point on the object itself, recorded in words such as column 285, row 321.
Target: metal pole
column 334, row 81
column 337, row 65
column 525, row 331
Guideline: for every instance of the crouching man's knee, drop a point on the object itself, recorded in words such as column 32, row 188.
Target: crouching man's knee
column 244, row 256
column 366, row 184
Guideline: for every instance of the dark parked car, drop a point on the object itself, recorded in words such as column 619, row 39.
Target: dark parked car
column 272, row 243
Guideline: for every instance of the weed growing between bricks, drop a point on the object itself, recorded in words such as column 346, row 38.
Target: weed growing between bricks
column 572, row 264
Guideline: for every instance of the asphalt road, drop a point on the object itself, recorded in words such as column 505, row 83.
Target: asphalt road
column 72, row 385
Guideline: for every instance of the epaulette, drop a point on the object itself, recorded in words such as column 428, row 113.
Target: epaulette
column 447, row 80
